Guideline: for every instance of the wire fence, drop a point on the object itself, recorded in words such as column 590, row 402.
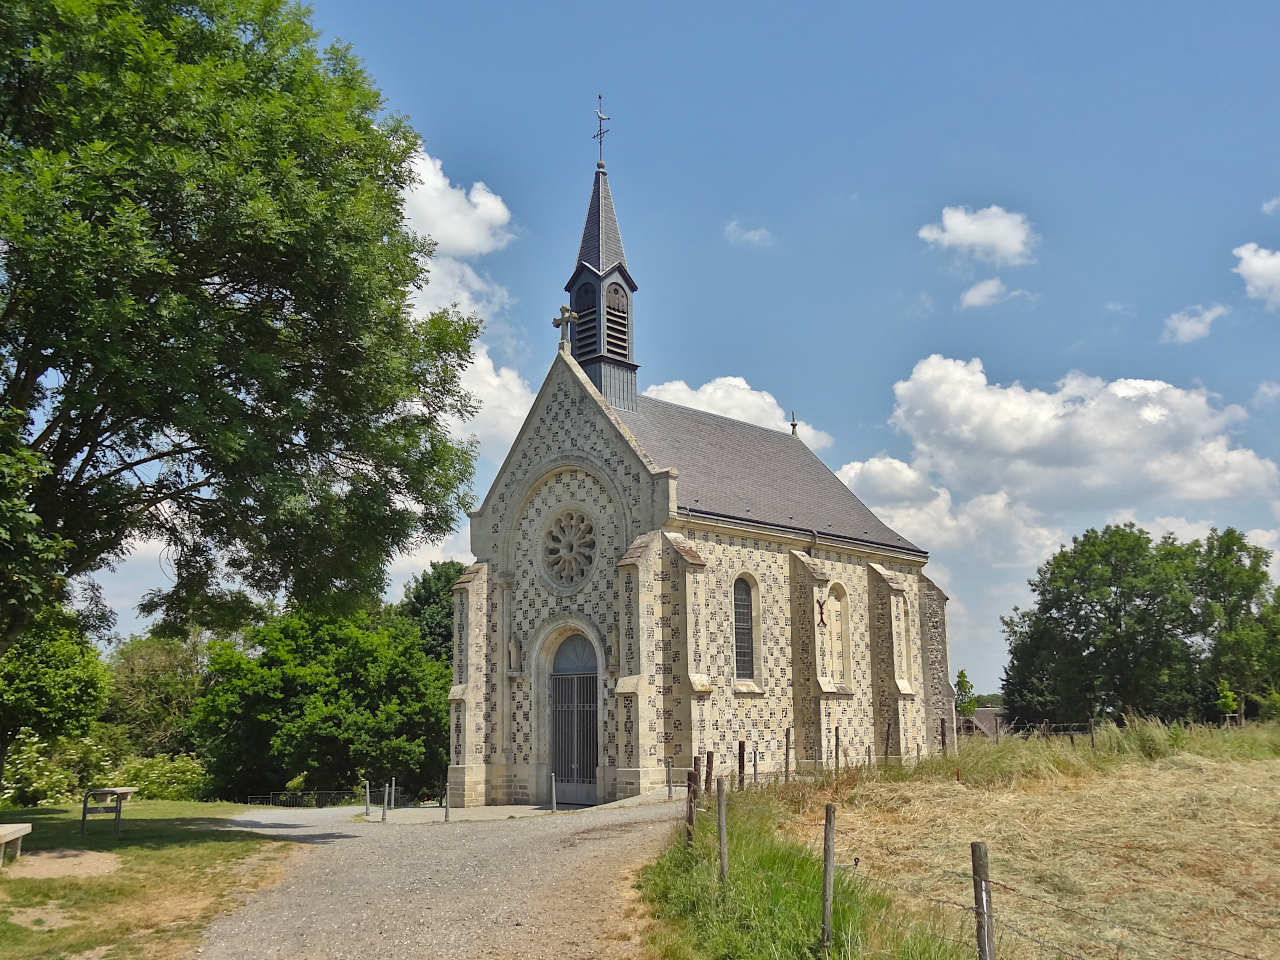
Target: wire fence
column 1000, row 912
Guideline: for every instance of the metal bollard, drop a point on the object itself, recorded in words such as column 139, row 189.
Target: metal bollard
column 553, row 792
column 393, row 793
column 366, row 799
column 669, row 790
column 446, row 803
column 386, row 792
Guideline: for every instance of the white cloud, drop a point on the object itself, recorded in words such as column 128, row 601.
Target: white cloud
column 992, row 234
column 456, row 546
column 1084, row 442
column 991, row 525
column 740, row 236
column 1260, row 269
column 734, row 397
column 1268, row 392
column 1272, row 206
column 463, row 223
column 505, row 398
column 1191, row 323
column 986, row 293
column 886, row 480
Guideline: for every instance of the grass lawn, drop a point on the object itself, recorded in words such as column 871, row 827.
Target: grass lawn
column 1162, row 842
column 170, row 872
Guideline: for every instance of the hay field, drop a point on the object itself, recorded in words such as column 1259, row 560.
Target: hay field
column 1176, row 856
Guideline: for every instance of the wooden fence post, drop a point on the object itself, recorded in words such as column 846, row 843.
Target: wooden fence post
column 722, row 806
column 888, row 732
column 670, row 791
column 986, row 931
column 942, row 724
column 786, row 759
column 691, row 798
column 711, row 763
column 1093, row 744
column 742, row 763
column 697, row 775
column 755, row 767
column 837, row 751
column 366, row 799
column 828, row 876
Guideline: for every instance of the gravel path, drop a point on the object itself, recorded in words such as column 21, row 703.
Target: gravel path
column 544, row 888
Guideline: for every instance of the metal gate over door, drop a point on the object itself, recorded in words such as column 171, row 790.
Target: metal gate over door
column 574, row 732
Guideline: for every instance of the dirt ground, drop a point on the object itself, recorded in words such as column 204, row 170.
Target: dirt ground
column 51, row 864
column 1180, row 858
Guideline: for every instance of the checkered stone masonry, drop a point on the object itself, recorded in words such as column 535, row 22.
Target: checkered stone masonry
column 658, row 599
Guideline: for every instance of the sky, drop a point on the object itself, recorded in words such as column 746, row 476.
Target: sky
column 1016, row 267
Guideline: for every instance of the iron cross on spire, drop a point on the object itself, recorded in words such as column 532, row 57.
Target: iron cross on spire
column 598, row 136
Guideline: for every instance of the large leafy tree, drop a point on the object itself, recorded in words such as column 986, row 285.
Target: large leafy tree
column 31, row 559
column 332, row 700
column 155, row 680
column 51, row 681
column 1122, row 623
column 428, row 602
column 205, row 286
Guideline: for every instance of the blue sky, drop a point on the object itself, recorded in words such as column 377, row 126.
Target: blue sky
column 810, row 198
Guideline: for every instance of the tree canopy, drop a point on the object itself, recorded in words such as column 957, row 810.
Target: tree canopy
column 1122, row 623
column 428, row 602
column 51, row 681
column 205, row 302
column 330, row 700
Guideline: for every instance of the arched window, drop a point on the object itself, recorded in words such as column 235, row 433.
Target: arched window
column 743, row 631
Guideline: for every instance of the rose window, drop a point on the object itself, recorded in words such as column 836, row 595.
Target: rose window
column 569, row 548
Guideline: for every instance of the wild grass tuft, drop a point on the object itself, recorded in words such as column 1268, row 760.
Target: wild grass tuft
column 771, row 905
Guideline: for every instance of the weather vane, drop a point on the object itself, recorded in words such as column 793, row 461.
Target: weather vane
column 598, row 136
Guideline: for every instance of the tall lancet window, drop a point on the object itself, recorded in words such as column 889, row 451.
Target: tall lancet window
column 616, row 316
column 743, row 631
column 584, row 328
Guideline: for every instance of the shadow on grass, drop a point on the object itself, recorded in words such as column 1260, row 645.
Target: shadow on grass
column 58, row 828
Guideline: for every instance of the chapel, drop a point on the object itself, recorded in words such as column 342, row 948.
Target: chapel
column 654, row 582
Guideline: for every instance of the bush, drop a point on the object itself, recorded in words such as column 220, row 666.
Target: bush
column 44, row 772
column 180, row 777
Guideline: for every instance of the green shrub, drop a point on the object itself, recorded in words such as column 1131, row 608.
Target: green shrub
column 180, row 777
column 41, row 772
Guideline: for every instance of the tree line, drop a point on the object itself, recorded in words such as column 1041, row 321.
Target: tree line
column 1125, row 624
column 304, row 700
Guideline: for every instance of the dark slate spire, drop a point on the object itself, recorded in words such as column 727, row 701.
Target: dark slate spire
column 601, row 246
column 601, row 293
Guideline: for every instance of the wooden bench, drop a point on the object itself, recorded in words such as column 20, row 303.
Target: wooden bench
column 105, row 800
column 12, row 833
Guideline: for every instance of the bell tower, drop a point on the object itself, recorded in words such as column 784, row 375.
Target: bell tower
column 602, row 294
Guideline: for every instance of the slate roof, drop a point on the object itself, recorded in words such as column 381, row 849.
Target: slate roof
column 741, row 471
column 601, row 246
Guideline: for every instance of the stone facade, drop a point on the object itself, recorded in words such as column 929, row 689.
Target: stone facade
column 582, row 534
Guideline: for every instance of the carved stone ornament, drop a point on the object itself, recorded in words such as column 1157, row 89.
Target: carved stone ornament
column 569, row 548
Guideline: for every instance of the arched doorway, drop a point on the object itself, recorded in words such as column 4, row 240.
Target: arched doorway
column 575, row 742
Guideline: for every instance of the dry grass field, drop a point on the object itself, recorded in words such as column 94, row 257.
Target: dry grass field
column 1175, row 853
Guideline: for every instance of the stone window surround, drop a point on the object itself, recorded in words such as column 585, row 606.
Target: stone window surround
column 838, row 592
column 749, row 687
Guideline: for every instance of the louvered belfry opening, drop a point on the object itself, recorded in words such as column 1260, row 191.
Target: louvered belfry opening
column 585, row 341
column 616, row 317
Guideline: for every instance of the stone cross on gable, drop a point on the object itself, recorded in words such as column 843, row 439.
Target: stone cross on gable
column 562, row 322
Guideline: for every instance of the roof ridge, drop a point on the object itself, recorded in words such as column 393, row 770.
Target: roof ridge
column 721, row 416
